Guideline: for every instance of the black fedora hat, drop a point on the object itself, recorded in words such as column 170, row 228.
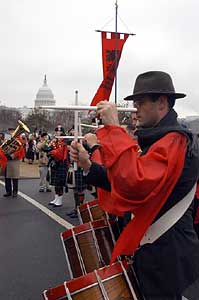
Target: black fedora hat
column 154, row 82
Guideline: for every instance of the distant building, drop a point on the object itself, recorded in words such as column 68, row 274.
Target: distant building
column 44, row 96
column 25, row 111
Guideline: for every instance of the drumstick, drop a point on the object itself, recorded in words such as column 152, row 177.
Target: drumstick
column 69, row 137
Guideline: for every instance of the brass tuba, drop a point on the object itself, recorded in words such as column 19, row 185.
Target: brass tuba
column 12, row 145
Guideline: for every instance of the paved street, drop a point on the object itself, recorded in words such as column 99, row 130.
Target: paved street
column 31, row 253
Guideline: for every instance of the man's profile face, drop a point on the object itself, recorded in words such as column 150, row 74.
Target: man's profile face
column 147, row 111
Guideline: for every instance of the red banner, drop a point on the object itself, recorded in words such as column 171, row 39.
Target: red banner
column 112, row 45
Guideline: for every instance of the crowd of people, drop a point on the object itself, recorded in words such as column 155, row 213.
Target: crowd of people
column 50, row 152
column 145, row 173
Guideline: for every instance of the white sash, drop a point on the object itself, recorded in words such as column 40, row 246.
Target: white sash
column 165, row 222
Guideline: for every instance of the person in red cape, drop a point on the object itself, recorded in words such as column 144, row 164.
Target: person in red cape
column 12, row 170
column 150, row 185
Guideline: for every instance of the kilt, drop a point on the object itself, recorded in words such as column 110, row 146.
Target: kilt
column 58, row 173
column 12, row 169
column 80, row 182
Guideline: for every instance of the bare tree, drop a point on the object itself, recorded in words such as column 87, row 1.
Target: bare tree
column 65, row 118
column 38, row 120
column 9, row 117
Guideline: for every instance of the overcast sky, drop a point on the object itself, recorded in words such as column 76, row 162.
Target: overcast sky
column 58, row 38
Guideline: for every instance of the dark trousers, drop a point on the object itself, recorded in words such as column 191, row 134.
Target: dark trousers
column 11, row 185
column 164, row 298
column 59, row 190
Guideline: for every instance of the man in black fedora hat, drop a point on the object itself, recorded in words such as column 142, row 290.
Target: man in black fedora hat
column 157, row 186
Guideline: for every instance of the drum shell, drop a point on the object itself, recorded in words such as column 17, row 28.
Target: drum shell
column 82, row 246
column 118, row 280
column 91, row 211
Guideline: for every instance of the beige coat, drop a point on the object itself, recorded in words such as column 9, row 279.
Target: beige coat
column 13, row 169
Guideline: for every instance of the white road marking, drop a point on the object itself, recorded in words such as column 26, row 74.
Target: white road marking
column 47, row 211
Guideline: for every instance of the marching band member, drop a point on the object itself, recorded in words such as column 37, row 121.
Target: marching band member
column 157, row 186
column 77, row 182
column 12, row 171
column 43, row 162
column 78, row 191
column 58, row 165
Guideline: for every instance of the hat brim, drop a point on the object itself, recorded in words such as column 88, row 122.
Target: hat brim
column 175, row 95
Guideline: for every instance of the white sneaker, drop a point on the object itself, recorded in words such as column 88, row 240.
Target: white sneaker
column 53, row 201
column 59, row 201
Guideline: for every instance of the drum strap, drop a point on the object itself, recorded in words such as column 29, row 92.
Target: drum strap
column 164, row 223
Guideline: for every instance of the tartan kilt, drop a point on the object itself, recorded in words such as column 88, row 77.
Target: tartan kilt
column 80, row 182
column 58, row 173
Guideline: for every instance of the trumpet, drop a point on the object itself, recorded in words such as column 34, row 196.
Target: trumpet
column 12, row 145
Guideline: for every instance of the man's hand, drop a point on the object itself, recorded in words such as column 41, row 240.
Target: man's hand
column 90, row 139
column 108, row 113
column 79, row 155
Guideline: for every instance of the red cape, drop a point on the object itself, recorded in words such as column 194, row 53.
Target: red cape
column 3, row 159
column 139, row 184
column 61, row 150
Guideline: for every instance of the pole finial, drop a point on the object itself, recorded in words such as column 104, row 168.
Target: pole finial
column 45, row 80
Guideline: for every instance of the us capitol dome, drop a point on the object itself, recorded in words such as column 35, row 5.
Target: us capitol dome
column 44, row 95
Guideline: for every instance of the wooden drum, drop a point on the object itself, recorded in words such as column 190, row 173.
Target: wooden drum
column 109, row 283
column 91, row 211
column 88, row 247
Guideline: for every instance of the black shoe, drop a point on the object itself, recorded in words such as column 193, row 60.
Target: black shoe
column 14, row 194
column 72, row 212
column 7, row 195
column 74, row 216
column 48, row 190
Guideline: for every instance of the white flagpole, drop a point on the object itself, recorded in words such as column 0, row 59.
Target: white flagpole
column 116, row 46
column 76, row 124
